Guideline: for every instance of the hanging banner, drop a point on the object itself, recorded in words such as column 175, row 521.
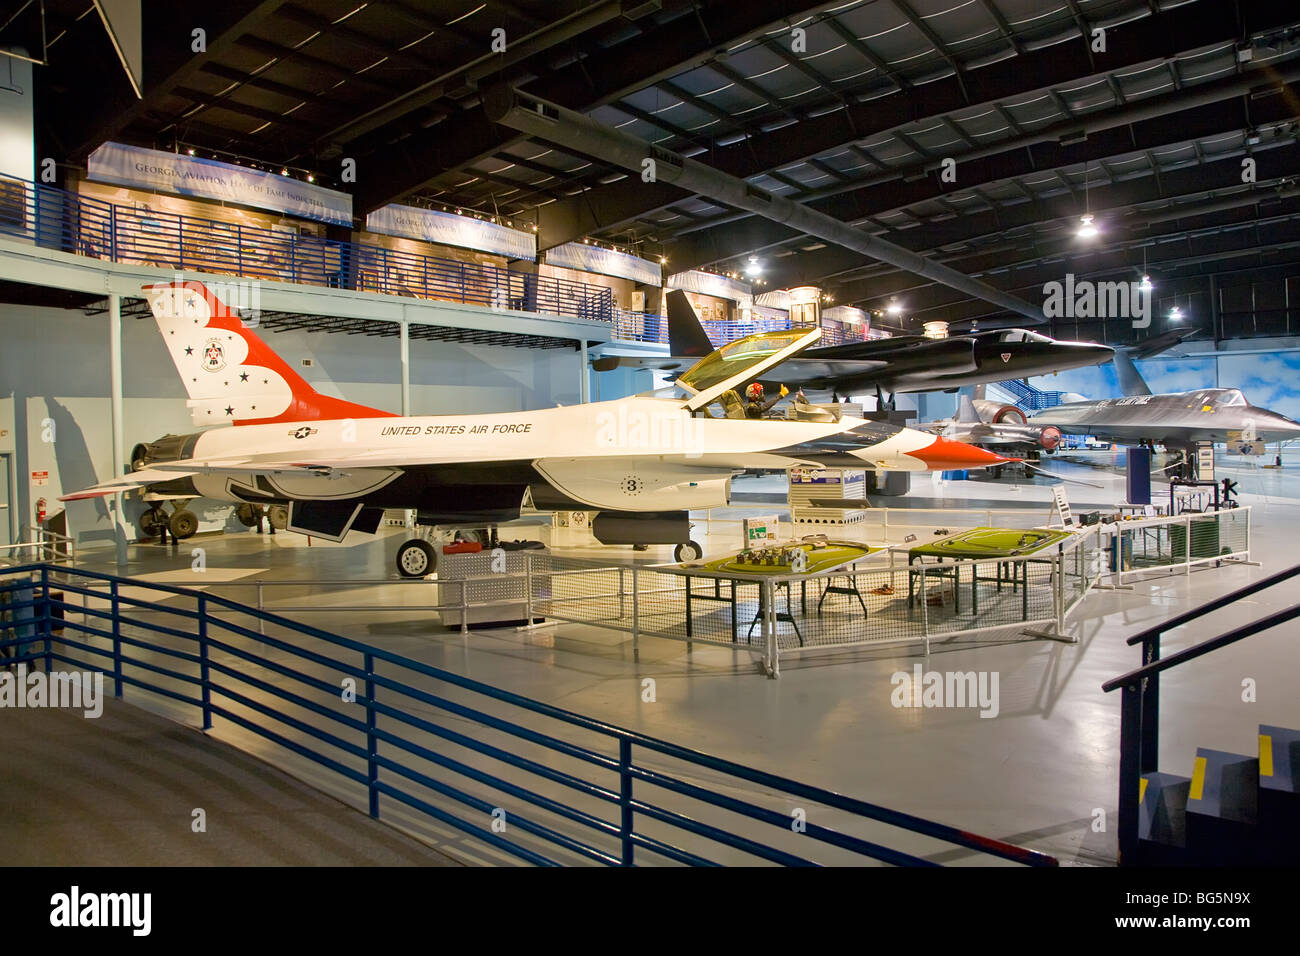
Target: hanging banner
column 605, row 262
column 449, row 229
column 707, row 283
column 210, row 179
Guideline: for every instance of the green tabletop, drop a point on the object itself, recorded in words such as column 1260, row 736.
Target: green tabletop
column 820, row 559
column 991, row 543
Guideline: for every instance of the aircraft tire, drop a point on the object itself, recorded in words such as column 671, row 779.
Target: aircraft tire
column 148, row 522
column 416, row 558
column 183, row 524
column 688, row 551
column 278, row 515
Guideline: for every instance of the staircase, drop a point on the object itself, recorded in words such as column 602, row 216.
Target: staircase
column 1029, row 398
column 1235, row 809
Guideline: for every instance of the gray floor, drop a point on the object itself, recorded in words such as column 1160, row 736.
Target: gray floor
column 1042, row 773
column 121, row 790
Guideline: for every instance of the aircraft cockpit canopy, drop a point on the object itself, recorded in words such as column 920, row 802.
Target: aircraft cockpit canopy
column 1022, row 335
column 1230, row 396
column 734, row 358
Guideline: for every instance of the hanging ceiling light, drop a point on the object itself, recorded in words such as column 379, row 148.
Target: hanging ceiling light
column 1146, row 284
column 1087, row 230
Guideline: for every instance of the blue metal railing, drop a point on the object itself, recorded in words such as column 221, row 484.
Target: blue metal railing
column 1139, row 733
column 1031, row 398
column 57, row 219
column 407, row 721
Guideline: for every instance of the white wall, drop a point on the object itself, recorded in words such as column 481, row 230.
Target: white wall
column 17, row 142
column 54, row 371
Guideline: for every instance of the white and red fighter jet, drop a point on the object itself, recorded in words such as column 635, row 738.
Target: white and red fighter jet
column 643, row 463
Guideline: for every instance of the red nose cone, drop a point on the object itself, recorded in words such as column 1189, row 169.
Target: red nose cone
column 1050, row 438
column 948, row 455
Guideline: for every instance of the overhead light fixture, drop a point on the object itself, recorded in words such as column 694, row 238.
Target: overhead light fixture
column 1146, row 285
column 311, row 178
column 894, row 307
column 754, row 267
column 1175, row 314
column 284, row 172
column 190, row 151
column 663, row 260
column 1086, row 228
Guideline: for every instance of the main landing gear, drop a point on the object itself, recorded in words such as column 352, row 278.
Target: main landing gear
column 418, row 557
column 180, row 524
column 690, row 551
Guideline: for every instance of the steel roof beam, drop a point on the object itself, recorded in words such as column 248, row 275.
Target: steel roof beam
column 1163, row 36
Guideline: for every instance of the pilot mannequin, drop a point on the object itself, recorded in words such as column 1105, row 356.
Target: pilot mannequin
column 756, row 407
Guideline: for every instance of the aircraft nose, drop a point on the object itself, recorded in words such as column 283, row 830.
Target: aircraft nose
column 948, row 455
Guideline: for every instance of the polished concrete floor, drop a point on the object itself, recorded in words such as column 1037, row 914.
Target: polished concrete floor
column 123, row 790
column 1042, row 773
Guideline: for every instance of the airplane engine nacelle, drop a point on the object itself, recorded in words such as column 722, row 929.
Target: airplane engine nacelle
column 1049, row 438
column 167, row 448
column 621, row 485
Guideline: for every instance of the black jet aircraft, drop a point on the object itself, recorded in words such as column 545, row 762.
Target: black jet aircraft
column 1177, row 420
column 902, row 363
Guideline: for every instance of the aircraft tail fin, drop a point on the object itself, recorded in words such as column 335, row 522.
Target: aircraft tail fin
column 686, row 336
column 966, row 410
column 1130, row 379
column 231, row 375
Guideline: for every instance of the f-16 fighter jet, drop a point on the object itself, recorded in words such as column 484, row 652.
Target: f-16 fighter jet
column 642, row 462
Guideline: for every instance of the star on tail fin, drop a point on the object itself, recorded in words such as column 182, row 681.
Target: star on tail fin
column 231, row 375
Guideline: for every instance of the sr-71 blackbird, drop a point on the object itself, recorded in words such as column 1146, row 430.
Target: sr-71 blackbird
column 903, row 363
column 643, row 463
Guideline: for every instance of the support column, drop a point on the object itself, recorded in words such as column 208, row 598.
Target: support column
column 118, row 429
column 584, row 381
column 404, row 337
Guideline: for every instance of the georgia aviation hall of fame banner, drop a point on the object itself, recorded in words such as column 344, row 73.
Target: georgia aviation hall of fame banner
column 209, row 179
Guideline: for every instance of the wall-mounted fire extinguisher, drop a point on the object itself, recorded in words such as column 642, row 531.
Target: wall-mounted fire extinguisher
column 40, row 511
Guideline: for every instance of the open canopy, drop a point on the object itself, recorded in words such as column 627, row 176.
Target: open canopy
column 735, row 363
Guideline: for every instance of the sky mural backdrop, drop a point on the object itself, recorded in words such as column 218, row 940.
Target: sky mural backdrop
column 1269, row 381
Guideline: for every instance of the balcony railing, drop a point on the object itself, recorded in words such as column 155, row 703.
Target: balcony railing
column 57, row 219
column 648, row 327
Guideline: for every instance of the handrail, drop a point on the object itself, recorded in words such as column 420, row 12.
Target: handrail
column 1139, row 748
column 1200, row 650
column 205, row 622
column 1178, row 620
column 100, row 229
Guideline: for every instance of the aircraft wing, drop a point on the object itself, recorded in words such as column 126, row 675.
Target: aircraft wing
column 137, row 479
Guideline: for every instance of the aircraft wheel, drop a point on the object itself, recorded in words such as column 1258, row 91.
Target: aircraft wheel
column 149, row 522
column 182, row 524
column 245, row 515
column 278, row 515
column 416, row 558
column 690, row 551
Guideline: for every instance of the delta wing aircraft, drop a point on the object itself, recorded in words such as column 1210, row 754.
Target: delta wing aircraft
column 641, row 462
column 1177, row 420
column 902, row 363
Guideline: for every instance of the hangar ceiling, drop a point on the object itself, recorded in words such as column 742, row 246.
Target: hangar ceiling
column 1041, row 123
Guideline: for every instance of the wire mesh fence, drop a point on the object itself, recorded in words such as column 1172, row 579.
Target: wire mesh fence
column 1179, row 542
column 892, row 598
